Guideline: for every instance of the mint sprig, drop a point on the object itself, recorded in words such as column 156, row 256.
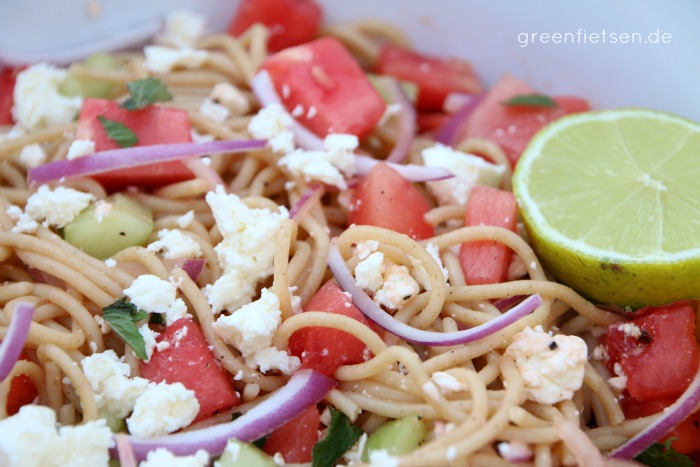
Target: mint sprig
column 118, row 132
column 144, row 92
column 122, row 317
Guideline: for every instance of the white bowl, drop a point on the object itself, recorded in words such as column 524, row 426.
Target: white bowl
column 657, row 67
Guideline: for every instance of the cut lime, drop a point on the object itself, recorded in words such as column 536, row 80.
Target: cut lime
column 611, row 203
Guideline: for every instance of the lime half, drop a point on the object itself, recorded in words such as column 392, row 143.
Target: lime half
column 611, row 203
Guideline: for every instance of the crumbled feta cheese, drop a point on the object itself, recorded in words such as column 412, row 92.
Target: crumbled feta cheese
column 469, row 170
column 514, row 449
column 154, row 295
column 432, row 391
column 162, row 457
column 451, row 453
column 115, row 392
column 38, row 103
column 278, row 459
column 184, row 220
column 382, row 458
column 369, row 273
column 149, row 339
column 619, row 381
column 273, row 123
column 244, row 253
column 447, row 383
column 551, row 366
column 175, row 244
column 32, row 155
column 213, row 110
column 328, row 166
column 164, row 59
column 182, row 29
column 52, row 207
column 251, row 328
column 30, row 438
column 110, row 263
column 435, row 253
column 80, row 148
column 272, row 359
column 364, row 249
column 630, row 329
column 398, row 287
column 162, row 409
column 102, row 208
column 600, row 353
column 231, row 97
column 354, row 454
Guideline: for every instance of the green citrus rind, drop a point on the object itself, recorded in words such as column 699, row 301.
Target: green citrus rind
column 604, row 275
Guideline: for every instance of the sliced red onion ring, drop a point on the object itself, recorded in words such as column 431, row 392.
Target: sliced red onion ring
column 411, row 172
column 125, row 452
column 504, row 304
column 14, row 340
column 672, row 416
column 302, row 204
column 407, row 121
column 105, row 161
column 448, row 132
column 265, row 91
column 411, row 334
column 304, row 388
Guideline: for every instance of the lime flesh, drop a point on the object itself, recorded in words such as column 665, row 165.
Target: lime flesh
column 611, row 203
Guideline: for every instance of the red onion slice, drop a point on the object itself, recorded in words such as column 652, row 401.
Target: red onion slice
column 16, row 336
column 302, row 204
column 105, row 161
column 375, row 313
column 407, row 121
column 193, row 267
column 125, row 452
column 411, row 172
column 304, row 388
column 448, row 132
column 673, row 415
column 265, row 91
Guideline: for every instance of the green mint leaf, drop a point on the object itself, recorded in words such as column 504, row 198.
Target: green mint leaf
column 663, row 455
column 145, row 92
column 118, row 132
column 531, row 100
column 122, row 317
column 340, row 437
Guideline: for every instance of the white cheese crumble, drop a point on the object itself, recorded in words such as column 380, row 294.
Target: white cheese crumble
column 164, row 59
column 329, row 166
column 184, row 220
column 369, row 273
column 551, row 366
column 31, row 438
column 175, row 244
column 38, row 103
column 364, row 249
column 273, row 123
column 398, row 287
column 245, row 253
column 514, row 449
column 382, row 458
column 354, row 454
column 469, row 170
column 149, row 339
column 447, row 383
column 619, row 381
column 231, row 97
column 162, row 457
column 435, row 253
column 154, row 295
column 102, row 208
column 270, row 358
column 115, row 392
column 630, row 329
column 214, row 110
column 110, row 263
column 251, row 328
column 32, row 155
column 51, row 207
column 182, row 29
column 80, row 148
column 162, row 409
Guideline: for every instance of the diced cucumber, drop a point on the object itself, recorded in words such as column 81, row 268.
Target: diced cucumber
column 396, row 437
column 75, row 86
column 240, row 454
column 115, row 424
column 102, row 230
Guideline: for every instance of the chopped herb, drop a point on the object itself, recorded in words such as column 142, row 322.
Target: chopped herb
column 118, row 132
column 340, row 437
column 122, row 317
column 531, row 100
column 145, row 92
column 663, row 455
